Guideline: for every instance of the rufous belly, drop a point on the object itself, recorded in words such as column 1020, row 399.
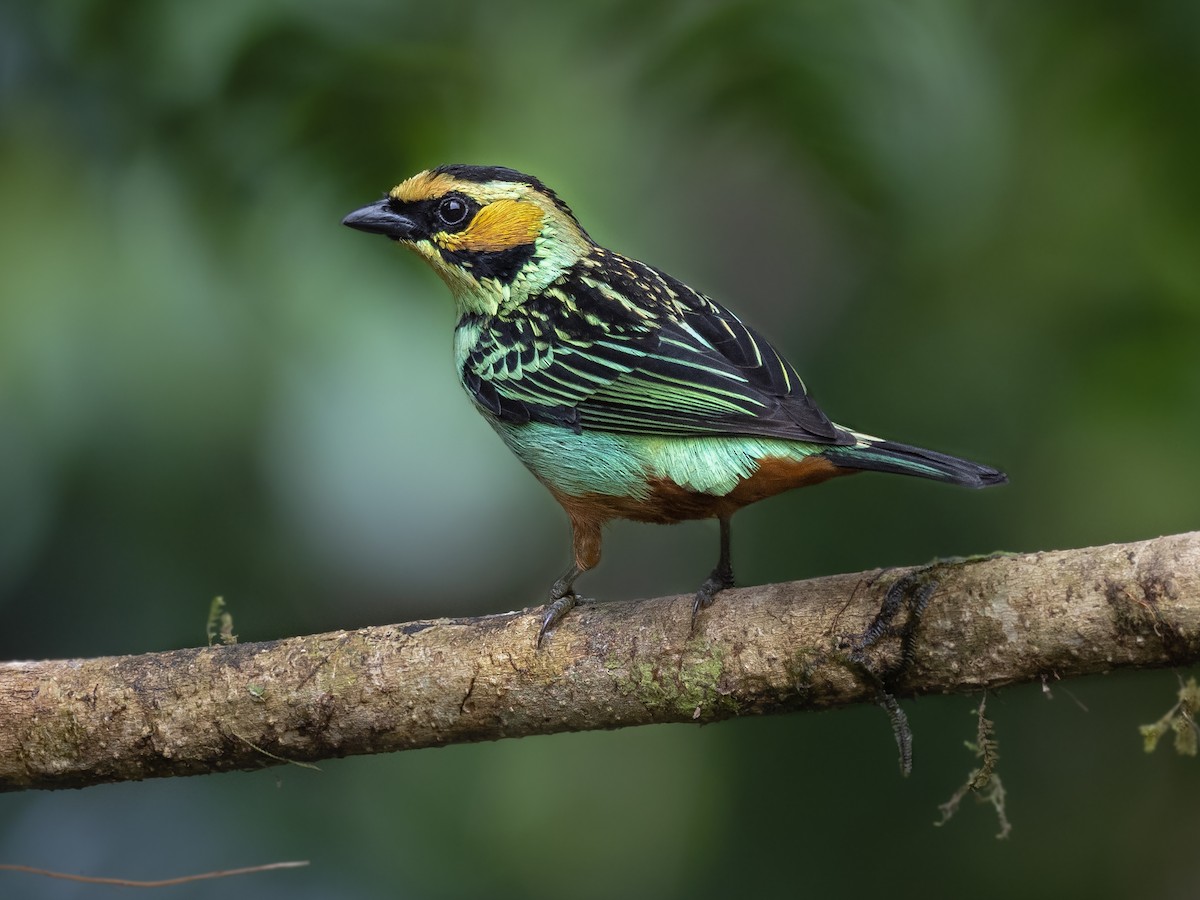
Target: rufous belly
column 669, row 502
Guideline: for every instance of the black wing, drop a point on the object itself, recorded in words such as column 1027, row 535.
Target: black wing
column 622, row 347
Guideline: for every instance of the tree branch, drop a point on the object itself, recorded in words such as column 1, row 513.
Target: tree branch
column 774, row 648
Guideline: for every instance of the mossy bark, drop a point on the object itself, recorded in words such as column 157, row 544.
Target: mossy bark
column 774, row 648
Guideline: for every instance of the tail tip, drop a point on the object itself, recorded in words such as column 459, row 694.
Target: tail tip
column 987, row 477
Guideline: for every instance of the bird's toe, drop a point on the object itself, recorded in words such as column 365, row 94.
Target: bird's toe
column 555, row 610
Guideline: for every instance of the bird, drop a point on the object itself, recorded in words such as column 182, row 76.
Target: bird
column 625, row 392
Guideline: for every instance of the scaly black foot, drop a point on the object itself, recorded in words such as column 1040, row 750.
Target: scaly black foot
column 562, row 600
column 721, row 577
column 717, row 582
column 555, row 610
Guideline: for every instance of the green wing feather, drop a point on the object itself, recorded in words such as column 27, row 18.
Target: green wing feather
column 620, row 347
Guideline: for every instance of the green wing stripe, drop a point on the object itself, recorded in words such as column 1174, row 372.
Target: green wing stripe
column 695, row 335
column 586, row 376
column 708, row 367
column 552, row 391
column 682, row 345
column 618, row 368
column 754, row 345
column 540, row 398
column 714, row 392
column 662, row 425
column 644, row 393
column 626, row 348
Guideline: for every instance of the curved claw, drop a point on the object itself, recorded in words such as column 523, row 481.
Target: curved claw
column 555, row 610
column 715, row 583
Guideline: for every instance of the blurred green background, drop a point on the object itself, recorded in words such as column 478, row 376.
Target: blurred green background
column 972, row 225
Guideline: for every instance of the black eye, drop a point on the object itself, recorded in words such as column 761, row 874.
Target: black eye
column 452, row 210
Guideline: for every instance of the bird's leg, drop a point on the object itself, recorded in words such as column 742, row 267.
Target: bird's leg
column 721, row 577
column 585, row 540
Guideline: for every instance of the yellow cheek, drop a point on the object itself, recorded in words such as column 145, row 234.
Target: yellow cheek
column 456, row 277
column 501, row 225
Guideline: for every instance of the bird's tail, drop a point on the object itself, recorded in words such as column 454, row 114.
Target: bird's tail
column 875, row 455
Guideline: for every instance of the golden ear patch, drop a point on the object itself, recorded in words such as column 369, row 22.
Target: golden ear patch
column 501, row 225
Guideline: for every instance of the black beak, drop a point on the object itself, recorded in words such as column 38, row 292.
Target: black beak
column 380, row 218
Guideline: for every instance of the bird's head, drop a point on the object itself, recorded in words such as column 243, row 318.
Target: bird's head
column 494, row 236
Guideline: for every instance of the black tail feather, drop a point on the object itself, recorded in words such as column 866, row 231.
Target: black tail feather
column 886, row 456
